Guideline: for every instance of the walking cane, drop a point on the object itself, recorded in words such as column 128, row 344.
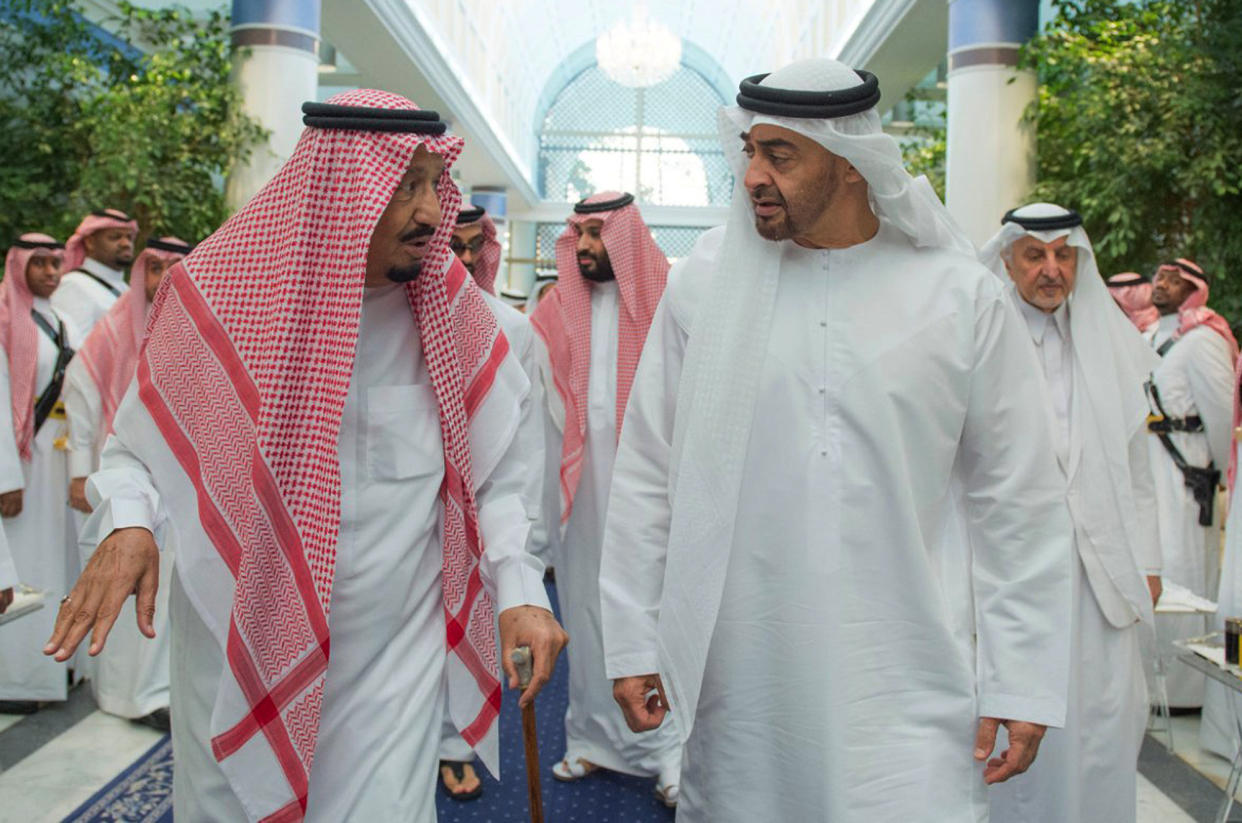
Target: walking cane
column 522, row 660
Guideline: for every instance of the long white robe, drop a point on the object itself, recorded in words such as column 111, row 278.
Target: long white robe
column 1087, row 771
column 834, row 686
column 380, row 724
column 84, row 300
column 1195, row 378
column 40, row 538
column 524, row 344
column 595, row 729
column 130, row 677
column 1218, row 730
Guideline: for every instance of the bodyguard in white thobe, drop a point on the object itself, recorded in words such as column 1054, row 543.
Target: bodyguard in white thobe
column 1093, row 363
column 41, row 536
column 773, row 551
column 1195, row 378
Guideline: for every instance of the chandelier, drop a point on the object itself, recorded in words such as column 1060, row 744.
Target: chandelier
column 638, row 52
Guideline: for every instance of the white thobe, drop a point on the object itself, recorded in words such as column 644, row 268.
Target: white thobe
column 1194, row 378
column 595, row 728
column 83, row 299
column 524, row 344
column 1087, row 771
column 835, row 687
column 1218, row 730
column 129, row 678
column 40, row 538
column 380, row 723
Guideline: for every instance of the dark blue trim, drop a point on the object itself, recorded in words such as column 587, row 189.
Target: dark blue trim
column 295, row 14
column 976, row 22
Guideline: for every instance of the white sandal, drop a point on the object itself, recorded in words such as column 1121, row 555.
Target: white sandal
column 668, row 793
column 568, row 772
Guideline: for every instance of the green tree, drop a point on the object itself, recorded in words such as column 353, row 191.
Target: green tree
column 140, row 115
column 1139, row 125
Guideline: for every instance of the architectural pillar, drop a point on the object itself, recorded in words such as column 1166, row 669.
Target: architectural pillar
column 990, row 159
column 276, row 65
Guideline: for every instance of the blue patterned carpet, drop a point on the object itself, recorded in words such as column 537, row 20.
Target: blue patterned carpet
column 143, row 792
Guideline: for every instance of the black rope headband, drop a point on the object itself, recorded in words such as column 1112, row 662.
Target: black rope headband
column 51, row 245
column 1132, row 280
column 583, row 207
column 467, row 216
column 1071, row 219
column 809, row 104
column 366, row 118
column 112, row 214
column 168, row 246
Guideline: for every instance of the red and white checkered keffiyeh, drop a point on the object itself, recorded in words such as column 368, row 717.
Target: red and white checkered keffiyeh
column 563, row 320
column 20, row 338
column 1132, row 292
column 1194, row 311
column 110, row 352
column 75, row 248
column 488, row 264
column 245, row 371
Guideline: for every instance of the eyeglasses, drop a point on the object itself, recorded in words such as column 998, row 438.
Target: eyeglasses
column 475, row 246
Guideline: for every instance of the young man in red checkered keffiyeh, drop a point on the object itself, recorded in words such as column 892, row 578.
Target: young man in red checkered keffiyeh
column 322, row 428
column 593, row 323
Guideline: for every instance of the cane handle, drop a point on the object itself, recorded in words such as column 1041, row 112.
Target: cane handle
column 524, row 663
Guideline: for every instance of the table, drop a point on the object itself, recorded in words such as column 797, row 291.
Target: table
column 1199, row 653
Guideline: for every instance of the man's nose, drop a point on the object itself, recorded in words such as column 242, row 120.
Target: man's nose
column 756, row 175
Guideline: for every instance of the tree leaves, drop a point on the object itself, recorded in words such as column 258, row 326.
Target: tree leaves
column 140, row 115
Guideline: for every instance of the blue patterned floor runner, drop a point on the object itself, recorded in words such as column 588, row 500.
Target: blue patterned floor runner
column 143, row 792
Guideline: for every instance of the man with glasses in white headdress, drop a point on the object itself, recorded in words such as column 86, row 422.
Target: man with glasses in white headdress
column 825, row 378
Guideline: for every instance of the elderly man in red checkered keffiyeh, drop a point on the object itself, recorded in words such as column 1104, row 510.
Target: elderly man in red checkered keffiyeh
column 612, row 275
column 323, row 427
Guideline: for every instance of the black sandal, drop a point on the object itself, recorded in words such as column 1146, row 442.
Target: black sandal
column 459, row 771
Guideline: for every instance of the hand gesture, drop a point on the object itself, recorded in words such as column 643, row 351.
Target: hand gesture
column 127, row 562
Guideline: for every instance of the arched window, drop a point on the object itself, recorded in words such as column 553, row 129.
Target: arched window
column 660, row 143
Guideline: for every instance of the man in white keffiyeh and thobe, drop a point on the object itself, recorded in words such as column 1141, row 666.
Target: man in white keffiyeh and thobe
column 826, row 379
column 612, row 275
column 130, row 679
column 325, row 413
column 1093, row 363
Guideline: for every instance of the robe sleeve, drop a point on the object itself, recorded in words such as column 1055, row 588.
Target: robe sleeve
column 122, row 493
column 83, row 410
column 1146, row 534
column 11, row 476
column 8, row 571
column 546, row 539
column 506, row 504
column 1020, row 529
column 1211, row 384
column 631, row 575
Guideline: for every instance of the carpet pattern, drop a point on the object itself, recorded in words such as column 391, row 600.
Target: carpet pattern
column 143, row 791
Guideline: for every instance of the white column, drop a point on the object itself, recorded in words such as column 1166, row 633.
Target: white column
column 990, row 158
column 276, row 66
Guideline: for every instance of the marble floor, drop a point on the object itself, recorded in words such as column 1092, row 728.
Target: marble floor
column 46, row 779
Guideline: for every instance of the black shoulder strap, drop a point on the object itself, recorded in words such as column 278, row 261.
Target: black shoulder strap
column 1165, row 346
column 115, row 291
column 47, row 400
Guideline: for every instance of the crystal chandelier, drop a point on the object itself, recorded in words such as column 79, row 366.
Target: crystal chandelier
column 638, row 52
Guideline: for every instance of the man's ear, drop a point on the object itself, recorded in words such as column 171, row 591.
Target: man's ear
column 851, row 174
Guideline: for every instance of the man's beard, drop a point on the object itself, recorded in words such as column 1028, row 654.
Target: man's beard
column 405, row 274
column 798, row 215
column 602, row 272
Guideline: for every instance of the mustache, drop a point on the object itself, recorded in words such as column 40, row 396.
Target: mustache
column 770, row 193
column 417, row 234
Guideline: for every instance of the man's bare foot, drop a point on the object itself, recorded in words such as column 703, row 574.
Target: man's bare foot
column 460, row 780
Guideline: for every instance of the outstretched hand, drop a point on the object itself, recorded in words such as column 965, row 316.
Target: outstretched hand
column 1024, row 739
column 642, row 701
column 126, row 562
